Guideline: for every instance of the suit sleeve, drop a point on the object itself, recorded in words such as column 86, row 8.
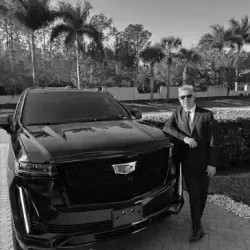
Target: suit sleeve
column 213, row 141
column 172, row 129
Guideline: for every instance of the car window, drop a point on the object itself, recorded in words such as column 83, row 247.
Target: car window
column 70, row 106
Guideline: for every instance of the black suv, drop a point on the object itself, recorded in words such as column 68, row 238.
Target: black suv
column 83, row 168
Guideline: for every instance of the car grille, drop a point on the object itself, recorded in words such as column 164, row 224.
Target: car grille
column 90, row 182
column 78, row 228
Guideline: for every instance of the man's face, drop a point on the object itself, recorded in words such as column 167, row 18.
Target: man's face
column 187, row 99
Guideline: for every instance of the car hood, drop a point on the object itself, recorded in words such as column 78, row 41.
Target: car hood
column 67, row 141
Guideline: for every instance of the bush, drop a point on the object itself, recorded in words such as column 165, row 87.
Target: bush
column 234, row 131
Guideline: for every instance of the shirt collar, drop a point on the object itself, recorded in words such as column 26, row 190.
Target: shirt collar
column 192, row 110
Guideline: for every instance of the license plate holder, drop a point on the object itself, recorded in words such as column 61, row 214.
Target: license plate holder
column 127, row 216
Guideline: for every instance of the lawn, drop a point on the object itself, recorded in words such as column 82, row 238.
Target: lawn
column 235, row 186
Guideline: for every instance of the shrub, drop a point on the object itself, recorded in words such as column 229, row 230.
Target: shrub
column 234, row 131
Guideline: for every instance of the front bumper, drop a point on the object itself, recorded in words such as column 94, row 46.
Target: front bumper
column 155, row 205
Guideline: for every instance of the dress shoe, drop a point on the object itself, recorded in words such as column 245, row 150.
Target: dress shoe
column 197, row 235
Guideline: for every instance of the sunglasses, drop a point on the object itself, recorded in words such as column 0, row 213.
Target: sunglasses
column 183, row 96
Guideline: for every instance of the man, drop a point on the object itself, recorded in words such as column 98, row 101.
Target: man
column 194, row 132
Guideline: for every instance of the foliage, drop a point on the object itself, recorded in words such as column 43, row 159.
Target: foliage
column 138, row 37
column 152, row 55
column 240, row 31
column 189, row 58
column 100, row 54
column 75, row 26
column 218, row 38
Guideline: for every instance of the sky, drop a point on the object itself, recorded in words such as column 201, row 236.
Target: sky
column 187, row 19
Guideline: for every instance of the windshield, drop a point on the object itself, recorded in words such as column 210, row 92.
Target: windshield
column 70, row 106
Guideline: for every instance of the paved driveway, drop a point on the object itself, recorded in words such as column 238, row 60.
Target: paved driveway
column 224, row 230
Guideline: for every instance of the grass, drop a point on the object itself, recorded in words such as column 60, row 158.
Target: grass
column 235, row 186
column 163, row 106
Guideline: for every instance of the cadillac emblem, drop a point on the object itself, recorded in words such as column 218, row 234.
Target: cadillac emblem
column 124, row 168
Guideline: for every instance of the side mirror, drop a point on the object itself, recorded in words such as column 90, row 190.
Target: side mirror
column 136, row 113
column 6, row 121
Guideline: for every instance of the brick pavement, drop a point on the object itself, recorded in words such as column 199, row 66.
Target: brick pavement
column 225, row 231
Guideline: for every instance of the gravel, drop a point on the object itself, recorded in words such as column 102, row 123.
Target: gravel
column 230, row 205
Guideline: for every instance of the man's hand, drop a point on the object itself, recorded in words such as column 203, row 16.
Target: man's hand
column 211, row 171
column 191, row 142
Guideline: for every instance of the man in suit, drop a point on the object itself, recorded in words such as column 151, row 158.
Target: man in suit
column 194, row 132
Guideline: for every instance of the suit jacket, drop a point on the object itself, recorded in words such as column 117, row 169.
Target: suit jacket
column 203, row 131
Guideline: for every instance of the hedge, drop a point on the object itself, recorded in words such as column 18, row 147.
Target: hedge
column 234, row 131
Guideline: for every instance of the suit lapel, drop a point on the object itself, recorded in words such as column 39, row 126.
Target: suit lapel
column 196, row 118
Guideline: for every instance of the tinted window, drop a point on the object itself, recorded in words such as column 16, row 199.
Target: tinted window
column 70, row 106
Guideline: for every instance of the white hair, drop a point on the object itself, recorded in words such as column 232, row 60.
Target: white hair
column 186, row 87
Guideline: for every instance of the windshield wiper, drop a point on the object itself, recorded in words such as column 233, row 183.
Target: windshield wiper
column 110, row 117
column 43, row 123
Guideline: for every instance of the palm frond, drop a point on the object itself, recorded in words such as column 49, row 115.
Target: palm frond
column 91, row 32
column 60, row 29
column 33, row 14
column 189, row 55
column 245, row 22
column 70, row 39
column 94, row 34
column 234, row 23
column 170, row 43
column 206, row 39
column 85, row 9
column 152, row 54
column 66, row 11
column 4, row 10
column 24, row 4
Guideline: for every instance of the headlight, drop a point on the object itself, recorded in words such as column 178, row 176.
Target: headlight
column 36, row 170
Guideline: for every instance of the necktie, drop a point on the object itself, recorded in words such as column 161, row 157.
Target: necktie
column 188, row 113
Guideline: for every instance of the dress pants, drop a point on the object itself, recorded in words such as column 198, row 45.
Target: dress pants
column 197, row 183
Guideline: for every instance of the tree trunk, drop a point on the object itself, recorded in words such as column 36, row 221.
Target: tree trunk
column 184, row 76
column 44, row 43
column 169, row 81
column 228, row 90
column 12, row 46
column 91, row 73
column 152, row 82
column 33, row 58
column 78, row 64
column 237, row 67
column 7, row 33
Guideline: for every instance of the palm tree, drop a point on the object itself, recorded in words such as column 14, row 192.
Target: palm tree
column 170, row 45
column 5, row 12
column 33, row 14
column 240, row 32
column 240, row 35
column 152, row 54
column 75, row 25
column 218, row 38
column 189, row 57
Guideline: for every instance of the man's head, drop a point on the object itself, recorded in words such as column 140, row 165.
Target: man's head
column 186, row 96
